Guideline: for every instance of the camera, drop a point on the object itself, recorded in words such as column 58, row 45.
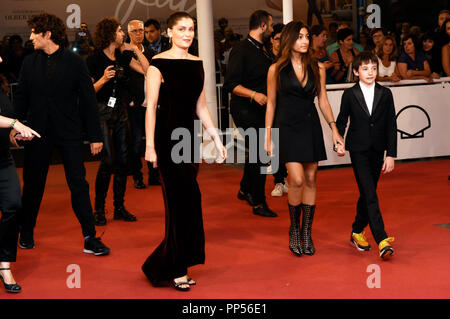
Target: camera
column 120, row 71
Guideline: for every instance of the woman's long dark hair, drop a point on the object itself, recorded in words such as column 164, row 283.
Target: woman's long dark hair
column 288, row 38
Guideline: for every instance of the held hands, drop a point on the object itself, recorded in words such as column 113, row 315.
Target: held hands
column 339, row 144
column 388, row 165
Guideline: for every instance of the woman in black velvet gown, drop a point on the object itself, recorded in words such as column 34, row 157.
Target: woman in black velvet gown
column 175, row 99
column 292, row 84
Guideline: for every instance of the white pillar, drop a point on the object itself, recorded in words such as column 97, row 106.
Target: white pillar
column 205, row 27
column 288, row 11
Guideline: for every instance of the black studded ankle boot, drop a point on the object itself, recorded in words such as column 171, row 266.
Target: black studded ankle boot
column 307, row 220
column 294, row 230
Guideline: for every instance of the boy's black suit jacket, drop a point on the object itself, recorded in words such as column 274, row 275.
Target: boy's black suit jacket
column 64, row 105
column 377, row 130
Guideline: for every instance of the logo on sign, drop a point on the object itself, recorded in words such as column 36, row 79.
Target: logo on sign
column 412, row 122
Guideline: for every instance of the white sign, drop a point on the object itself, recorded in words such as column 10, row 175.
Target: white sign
column 423, row 116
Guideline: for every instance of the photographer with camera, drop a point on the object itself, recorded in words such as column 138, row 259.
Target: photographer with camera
column 109, row 67
column 83, row 44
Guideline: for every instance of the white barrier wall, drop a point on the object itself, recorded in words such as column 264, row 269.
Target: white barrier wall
column 423, row 119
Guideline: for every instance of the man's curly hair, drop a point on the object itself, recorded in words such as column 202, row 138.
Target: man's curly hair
column 44, row 22
column 105, row 32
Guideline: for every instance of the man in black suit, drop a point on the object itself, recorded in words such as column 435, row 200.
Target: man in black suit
column 372, row 131
column 56, row 95
column 136, row 109
column 246, row 80
column 153, row 38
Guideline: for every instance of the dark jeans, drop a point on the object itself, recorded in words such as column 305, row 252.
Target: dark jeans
column 10, row 203
column 37, row 159
column 367, row 168
column 136, row 115
column 115, row 157
column 249, row 115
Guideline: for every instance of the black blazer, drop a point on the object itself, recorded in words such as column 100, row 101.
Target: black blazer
column 165, row 44
column 377, row 131
column 68, row 99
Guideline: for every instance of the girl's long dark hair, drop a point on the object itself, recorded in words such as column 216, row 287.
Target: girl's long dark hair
column 289, row 36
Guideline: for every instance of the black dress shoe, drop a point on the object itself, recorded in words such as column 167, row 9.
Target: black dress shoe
column 99, row 217
column 26, row 243
column 122, row 214
column 12, row 288
column 263, row 210
column 139, row 184
column 245, row 196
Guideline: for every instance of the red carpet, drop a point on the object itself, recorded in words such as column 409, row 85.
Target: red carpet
column 247, row 256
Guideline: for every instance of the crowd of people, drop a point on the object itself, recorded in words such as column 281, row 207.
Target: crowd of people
column 115, row 87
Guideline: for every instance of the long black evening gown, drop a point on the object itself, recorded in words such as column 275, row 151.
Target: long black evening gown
column 300, row 131
column 184, row 242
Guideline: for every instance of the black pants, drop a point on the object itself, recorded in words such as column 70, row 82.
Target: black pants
column 367, row 168
column 115, row 157
column 38, row 154
column 312, row 9
column 249, row 115
column 136, row 115
column 280, row 175
column 10, row 204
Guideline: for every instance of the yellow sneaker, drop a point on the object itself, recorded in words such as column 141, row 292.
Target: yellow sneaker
column 360, row 241
column 385, row 248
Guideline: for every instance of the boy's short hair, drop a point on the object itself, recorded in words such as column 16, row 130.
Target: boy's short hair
column 364, row 57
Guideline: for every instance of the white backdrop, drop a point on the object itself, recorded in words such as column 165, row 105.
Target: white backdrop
column 434, row 99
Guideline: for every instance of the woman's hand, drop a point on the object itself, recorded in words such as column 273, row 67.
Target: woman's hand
column 150, row 156
column 26, row 133
column 221, row 151
column 268, row 145
column 338, row 143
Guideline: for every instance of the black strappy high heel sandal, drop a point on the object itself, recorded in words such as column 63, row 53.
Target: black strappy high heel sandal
column 13, row 288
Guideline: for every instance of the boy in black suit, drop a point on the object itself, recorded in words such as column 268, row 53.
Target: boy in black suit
column 372, row 131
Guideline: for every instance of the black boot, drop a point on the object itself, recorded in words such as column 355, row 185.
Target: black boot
column 99, row 216
column 307, row 220
column 121, row 213
column 294, row 230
